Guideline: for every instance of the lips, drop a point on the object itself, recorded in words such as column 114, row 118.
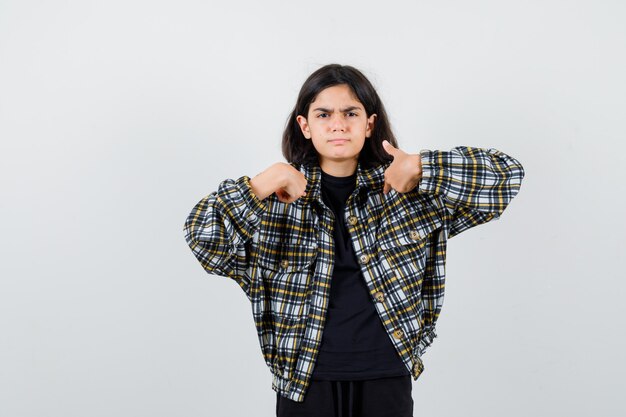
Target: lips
column 339, row 140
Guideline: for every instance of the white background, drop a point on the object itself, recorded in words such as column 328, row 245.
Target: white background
column 117, row 117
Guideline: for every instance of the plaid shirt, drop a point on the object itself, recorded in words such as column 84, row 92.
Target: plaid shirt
column 282, row 255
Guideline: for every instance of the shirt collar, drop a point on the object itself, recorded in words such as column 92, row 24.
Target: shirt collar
column 367, row 180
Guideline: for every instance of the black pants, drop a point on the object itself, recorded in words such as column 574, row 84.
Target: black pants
column 381, row 397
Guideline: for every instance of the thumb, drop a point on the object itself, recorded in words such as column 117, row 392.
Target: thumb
column 388, row 147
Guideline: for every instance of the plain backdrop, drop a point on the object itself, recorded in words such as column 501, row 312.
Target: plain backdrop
column 117, row 117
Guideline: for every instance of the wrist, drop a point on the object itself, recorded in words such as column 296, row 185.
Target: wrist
column 261, row 185
column 418, row 166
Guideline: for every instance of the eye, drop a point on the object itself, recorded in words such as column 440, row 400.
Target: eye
column 322, row 114
column 352, row 113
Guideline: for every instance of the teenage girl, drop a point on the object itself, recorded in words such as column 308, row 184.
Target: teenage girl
column 301, row 239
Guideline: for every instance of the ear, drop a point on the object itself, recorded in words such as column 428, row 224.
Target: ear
column 304, row 126
column 371, row 121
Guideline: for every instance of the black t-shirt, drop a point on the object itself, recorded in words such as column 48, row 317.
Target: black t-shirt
column 355, row 345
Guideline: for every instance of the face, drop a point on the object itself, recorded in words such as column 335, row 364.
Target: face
column 337, row 125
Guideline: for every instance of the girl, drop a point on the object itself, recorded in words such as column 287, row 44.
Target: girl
column 341, row 250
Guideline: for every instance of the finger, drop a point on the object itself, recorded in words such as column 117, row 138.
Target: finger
column 283, row 196
column 388, row 147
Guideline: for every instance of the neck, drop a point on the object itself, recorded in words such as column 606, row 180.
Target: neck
column 339, row 168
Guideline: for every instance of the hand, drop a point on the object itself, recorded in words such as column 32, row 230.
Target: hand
column 281, row 178
column 293, row 185
column 404, row 173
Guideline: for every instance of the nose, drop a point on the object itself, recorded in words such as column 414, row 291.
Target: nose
column 338, row 123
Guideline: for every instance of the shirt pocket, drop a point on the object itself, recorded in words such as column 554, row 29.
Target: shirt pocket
column 407, row 229
column 287, row 270
column 403, row 243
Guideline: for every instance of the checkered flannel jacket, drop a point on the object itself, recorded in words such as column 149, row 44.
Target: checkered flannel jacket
column 282, row 255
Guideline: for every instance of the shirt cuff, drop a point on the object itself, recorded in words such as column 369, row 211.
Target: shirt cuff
column 429, row 170
column 254, row 208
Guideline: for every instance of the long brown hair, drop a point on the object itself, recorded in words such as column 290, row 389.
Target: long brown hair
column 300, row 150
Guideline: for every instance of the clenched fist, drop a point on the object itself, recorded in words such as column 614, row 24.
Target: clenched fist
column 288, row 183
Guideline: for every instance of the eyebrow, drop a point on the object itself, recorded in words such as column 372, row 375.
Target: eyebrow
column 350, row 108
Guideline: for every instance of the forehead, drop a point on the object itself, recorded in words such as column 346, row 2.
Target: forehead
column 341, row 93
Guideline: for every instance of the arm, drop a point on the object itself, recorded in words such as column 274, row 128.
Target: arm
column 220, row 226
column 476, row 184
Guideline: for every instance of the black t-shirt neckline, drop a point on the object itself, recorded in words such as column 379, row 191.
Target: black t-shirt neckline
column 338, row 180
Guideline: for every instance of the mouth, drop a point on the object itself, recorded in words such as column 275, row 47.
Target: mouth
column 340, row 140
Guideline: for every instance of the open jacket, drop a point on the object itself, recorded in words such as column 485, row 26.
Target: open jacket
column 282, row 255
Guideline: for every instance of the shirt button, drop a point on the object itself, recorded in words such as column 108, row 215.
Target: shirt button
column 352, row 220
column 398, row 334
column 252, row 217
column 284, row 263
column 364, row 258
column 380, row 296
column 414, row 235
